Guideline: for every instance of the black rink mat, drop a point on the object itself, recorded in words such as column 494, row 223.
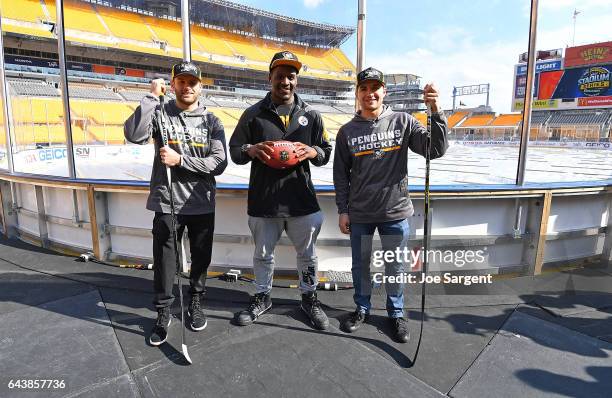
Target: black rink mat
column 281, row 357
column 70, row 339
column 534, row 358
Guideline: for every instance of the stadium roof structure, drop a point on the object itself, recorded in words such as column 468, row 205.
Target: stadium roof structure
column 240, row 18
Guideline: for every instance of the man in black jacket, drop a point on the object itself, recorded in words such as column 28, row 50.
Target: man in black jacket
column 196, row 154
column 282, row 200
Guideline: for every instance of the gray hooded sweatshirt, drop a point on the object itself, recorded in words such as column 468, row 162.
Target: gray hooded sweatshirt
column 371, row 164
column 200, row 139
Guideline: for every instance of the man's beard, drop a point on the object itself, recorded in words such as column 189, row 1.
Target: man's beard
column 187, row 104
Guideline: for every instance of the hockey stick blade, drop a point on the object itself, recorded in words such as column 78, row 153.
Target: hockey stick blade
column 186, row 354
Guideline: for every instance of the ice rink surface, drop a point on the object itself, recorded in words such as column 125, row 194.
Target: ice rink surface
column 462, row 165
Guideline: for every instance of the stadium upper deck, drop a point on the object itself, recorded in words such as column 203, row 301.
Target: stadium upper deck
column 215, row 38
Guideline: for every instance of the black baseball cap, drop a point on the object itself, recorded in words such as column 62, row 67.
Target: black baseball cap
column 285, row 58
column 186, row 68
column 370, row 74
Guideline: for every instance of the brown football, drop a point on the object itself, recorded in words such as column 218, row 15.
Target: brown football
column 284, row 155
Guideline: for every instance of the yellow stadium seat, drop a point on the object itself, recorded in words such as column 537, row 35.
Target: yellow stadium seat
column 168, row 31
column 125, row 24
column 210, row 42
column 509, row 119
column 329, row 122
column 26, row 31
column 477, row 121
column 421, row 117
column 112, row 134
column 24, row 10
column 140, row 49
column 103, row 113
column 339, row 118
column 37, row 110
column 81, row 16
column 456, row 118
column 49, row 133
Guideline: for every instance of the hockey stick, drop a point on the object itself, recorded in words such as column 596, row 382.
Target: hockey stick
column 426, row 231
column 164, row 135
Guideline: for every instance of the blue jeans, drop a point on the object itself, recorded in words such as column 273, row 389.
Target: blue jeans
column 393, row 235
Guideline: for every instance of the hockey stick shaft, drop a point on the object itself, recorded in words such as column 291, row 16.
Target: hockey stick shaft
column 426, row 231
column 164, row 136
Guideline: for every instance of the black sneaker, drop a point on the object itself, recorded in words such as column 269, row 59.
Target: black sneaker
column 354, row 321
column 160, row 330
column 312, row 307
column 198, row 319
column 400, row 329
column 260, row 303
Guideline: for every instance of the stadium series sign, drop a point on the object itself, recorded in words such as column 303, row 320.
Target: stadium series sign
column 594, row 81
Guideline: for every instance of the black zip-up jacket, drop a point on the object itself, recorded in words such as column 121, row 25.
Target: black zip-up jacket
column 288, row 192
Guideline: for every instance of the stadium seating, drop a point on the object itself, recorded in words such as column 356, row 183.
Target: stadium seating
column 345, row 109
column 166, row 31
column 207, row 102
column 112, row 135
column 102, row 113
column 229, row 102
column 46, row 134
column 126, row 25
column 37, row 110
column 32, row 88
column 421, row 117
column 79, row 90
column 329, row 122
column 208, row 41
column 456, row 118
column 132, row 95
column 539, row 117
column 24, row 10
column 323, row 108
column 38, row 31
column 477, row 121
column 578, row 118
column 229, row 118
column 81, row 16
column 140, row 33
column 507, row 120
column 336, row 118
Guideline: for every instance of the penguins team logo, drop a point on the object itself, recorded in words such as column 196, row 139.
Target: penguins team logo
column 302, row 120
column 378, row 154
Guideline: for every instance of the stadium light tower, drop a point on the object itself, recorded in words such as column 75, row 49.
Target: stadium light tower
column 576, row 12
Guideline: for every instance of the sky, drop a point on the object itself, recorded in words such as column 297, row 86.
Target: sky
column 455, row 43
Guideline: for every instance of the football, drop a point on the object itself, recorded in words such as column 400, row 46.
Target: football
column 284, row 155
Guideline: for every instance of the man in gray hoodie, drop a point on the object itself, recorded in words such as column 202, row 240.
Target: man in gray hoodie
column 371, row 182
column 196, row 153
